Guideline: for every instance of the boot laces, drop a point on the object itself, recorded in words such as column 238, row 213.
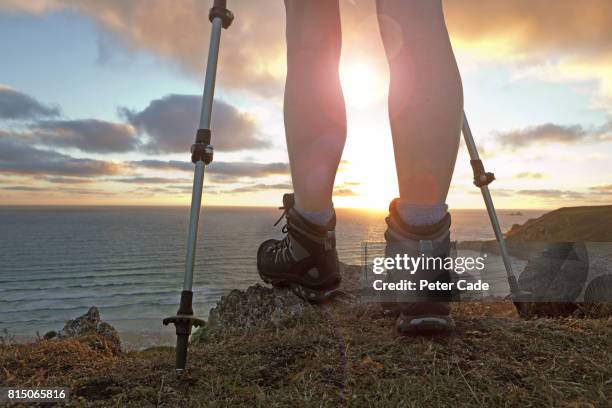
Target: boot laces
column 282, row 247
column 285, row 214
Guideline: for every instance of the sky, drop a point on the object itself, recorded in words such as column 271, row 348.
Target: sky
column 100, row 100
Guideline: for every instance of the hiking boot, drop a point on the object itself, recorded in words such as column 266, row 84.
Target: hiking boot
column 419, row 311
column 305, row 260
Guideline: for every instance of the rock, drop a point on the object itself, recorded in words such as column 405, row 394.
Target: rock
column 201, row 335
column 557, row 274
column 258, row 306
column 90, row 324
column 599, row 290
column 261, row 306
column 50, row 335
column 554, row 278
column 598, row 297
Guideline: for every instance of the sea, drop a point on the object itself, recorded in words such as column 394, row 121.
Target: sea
column 57, row 262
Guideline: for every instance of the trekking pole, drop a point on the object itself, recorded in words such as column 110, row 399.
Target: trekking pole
column 201, row 155
column 482, row 179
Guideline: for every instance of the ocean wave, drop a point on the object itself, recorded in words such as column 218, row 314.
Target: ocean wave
column 101, row 307
column 177, row 291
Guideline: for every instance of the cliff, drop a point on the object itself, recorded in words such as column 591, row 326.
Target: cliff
column 568, row 224
column 266, row 347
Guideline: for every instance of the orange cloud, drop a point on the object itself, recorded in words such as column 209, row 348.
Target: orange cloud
column 551, row 40
column 179, row 30
column 34, row 7
column 533, row 27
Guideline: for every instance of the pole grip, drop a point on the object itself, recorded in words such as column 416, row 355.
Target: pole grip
column 220, row 3
column 186, row 305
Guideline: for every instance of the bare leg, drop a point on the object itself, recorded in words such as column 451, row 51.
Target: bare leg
column 315, row 115
column 425, row 104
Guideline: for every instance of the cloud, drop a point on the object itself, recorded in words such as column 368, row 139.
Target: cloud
column 565, row 43
column 344, row 192
column 173, row 190
column 171, row 123
column 235, row 169
column 602, row 189
column 68, row 180
column 261, row 187
column 23, row 188
column 151, row 180
column 15, row 105
column 346, row 189
column 573, row 36
column 521, row 30
column 55, row 190
column 163, row 164
column 551, row 193
column 248, row 169
column 553, row 133
column 179, row 32
column 529, row 175
column 87, row 135
column 497, row 192
column 17, row 157
column 222, row 172
column 187, row 189
column 548, row 132
column 33, row 7
column 532, row 26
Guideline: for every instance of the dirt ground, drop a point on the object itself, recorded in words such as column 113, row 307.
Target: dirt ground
column 341, row 356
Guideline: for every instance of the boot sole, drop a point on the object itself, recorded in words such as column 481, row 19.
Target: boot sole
column 314, row 295
column 303, row 292
column 433, row 324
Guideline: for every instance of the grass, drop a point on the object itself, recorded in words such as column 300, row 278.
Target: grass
column 342, row 356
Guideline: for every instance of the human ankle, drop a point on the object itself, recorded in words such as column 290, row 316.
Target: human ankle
column 419, row 214
column 318, row 216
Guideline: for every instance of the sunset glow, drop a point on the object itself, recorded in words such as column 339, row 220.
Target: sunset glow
column 112, row 119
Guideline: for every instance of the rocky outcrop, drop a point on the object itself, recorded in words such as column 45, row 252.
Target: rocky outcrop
column 90, row 324
column 266, row 307
column 258, row 306
column 557, row 274
column 568, row 260
column 568, row 224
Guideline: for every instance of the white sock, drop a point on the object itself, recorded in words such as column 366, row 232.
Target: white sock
column 419, row 215
column 321, row 217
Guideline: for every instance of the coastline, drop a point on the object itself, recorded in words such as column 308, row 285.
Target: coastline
column 265, row 346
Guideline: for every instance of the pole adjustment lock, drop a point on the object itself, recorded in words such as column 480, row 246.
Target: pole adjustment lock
column 481, row 177
column 219, row 10
column 202, row 149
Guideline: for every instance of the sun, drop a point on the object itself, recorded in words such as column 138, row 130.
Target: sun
column 363, row 83
column 367, row 170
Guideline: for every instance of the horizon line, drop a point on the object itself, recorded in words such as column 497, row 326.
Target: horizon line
column 187, row 206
